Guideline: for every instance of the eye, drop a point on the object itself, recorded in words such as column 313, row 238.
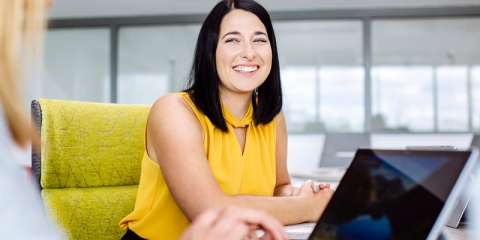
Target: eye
column 260, row 40
column 232, row 40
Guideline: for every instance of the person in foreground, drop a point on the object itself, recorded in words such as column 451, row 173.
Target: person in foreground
column 21, row 215
column 223, row 141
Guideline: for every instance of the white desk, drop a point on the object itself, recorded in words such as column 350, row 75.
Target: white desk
column 462, row 232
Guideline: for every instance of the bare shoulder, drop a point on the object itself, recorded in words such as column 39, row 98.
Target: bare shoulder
column 172, row 124
column 170, row 106
column 170, row 102
column 171, row 110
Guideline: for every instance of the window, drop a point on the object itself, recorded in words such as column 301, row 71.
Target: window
column 77, row 65
column 154, row 61
column 424, row 75
column 322, row 75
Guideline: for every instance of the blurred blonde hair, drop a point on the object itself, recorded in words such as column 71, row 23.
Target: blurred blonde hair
column 22, row 24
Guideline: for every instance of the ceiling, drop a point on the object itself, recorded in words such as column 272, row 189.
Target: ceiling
column 116, row 8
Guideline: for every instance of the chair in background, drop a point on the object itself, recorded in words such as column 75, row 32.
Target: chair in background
column 88, row 167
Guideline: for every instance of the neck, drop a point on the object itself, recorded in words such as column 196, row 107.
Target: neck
column 237, row 104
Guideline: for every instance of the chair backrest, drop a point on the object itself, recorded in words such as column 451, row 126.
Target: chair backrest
column 89, row 164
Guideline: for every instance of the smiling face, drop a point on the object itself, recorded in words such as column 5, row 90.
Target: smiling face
column 244, row 54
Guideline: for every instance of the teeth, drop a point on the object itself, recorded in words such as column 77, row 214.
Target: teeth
column 245, row 69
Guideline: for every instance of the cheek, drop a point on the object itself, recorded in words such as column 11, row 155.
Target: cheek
column 223, row 58
column 265, row 53
column 267, row 59
column 219, row 64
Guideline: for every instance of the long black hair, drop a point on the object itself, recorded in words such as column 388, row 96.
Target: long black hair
column 203, row 79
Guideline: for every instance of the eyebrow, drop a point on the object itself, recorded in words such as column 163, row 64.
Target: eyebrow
column 238, row 33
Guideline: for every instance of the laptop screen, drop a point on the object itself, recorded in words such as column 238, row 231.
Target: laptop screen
column 391, row 194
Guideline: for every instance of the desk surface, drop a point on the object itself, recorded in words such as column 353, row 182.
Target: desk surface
column 460, row 233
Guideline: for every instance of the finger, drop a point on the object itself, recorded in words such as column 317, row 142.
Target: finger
column 307, row 183
column 252, row 235
column 255, row 217
column 306, row 189
column 288, row 192
column 206, row 219
column 199, row 227
column 327, row 185
column 321, row 186
column 295, row 191
column 315, row 188
column 228, row 226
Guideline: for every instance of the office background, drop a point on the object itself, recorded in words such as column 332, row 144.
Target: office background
column 407, row 71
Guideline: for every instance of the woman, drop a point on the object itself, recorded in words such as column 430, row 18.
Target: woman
column 223, row 141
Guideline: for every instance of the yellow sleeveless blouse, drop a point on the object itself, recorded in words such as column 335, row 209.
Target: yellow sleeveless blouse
column 156, row 214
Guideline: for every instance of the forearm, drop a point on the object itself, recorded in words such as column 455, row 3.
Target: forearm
column 287, row 210
column 285, row 190
column 305, row 206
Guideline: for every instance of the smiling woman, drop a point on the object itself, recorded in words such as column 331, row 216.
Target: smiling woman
column 223, row 141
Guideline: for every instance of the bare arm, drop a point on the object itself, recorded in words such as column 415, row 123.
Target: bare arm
column 283, row 186
column 175, row 141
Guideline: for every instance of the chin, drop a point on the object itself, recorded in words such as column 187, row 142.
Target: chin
column 248, row 87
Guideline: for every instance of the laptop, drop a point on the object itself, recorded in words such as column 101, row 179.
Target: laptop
column 461, row 209
column 338, row 152
column 393, row 194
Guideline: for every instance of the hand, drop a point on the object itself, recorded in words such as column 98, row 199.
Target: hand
column 315, row 201
column 286, row 190
column 289, row 190
column 234, row 223
column 317, row 188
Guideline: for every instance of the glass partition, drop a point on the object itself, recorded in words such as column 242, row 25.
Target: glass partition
column 154, row 60
column 77, row 65
column 424, row 75
column 322, row 74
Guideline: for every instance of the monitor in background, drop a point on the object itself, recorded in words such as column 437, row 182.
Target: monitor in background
column 396, row 194
column 339, row 148
column 338, row 151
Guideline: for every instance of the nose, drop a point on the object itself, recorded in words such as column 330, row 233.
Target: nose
column 248, row 51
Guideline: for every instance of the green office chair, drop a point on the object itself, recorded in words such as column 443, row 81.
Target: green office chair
column 88, row 167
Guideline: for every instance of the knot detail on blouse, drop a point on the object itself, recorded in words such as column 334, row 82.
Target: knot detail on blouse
column 234, row 121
